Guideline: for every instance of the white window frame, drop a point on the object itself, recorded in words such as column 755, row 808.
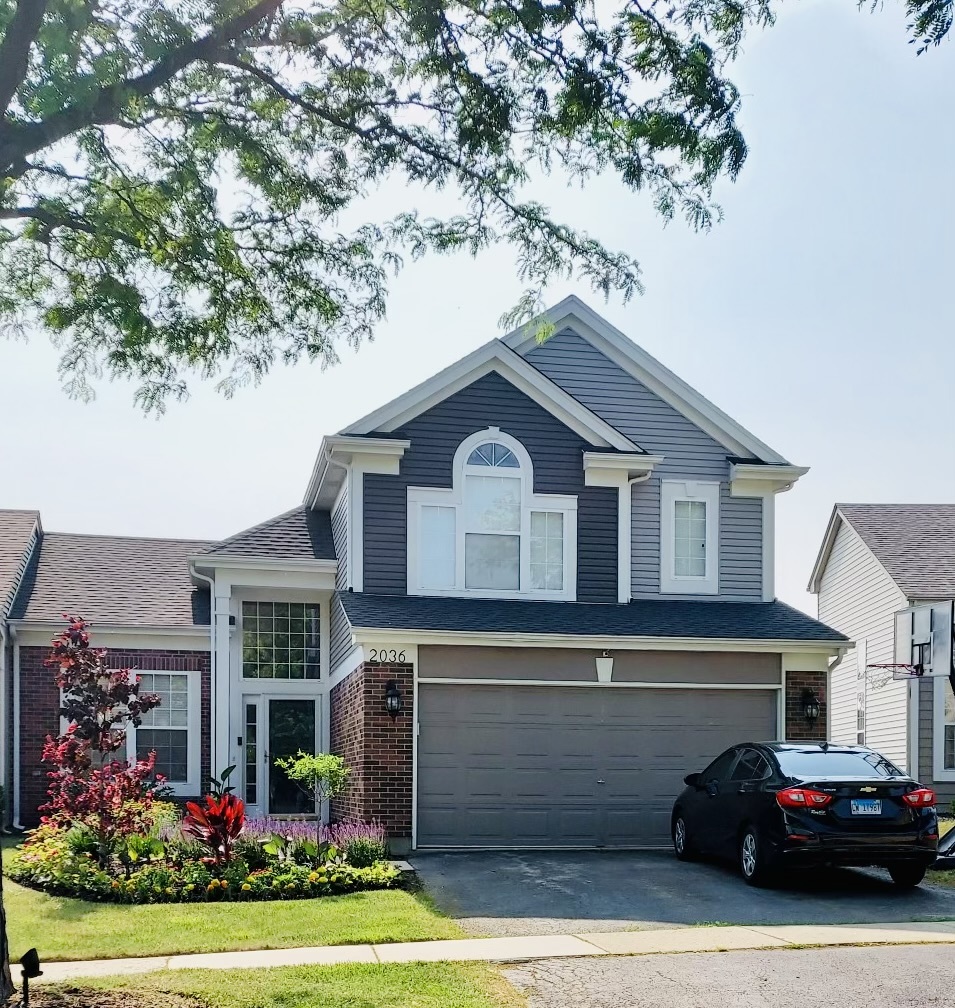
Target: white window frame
column 940, row 772
column 672, row 491
column 193, row 784
column 453, row 497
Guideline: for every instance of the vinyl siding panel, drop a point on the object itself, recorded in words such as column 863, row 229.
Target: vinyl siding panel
column 340, row 633
column 557, row 456
column 690, row 453
column 944, row 789
column 859, row 598
column 340, row 538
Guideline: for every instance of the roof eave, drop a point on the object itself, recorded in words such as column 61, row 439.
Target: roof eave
column 822, row 558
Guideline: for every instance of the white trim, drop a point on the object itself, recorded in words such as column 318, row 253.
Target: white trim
column 352, row 661
column 672, row 492
column 415, row 733
column 768, row 533
column 614, row 684
column 624, row 541
column 374, row 636
column 454, row 497
column 356, row 527
column 494, row 356
column 756, row 480
column 939, row 771
column 323, row 488
column 193, row 783
column 913, row 747
column 54, row 626
column 227, row 562
column 610, row 341
column 781, row 702
column 599, row 465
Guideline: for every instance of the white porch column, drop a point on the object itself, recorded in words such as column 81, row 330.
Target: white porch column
column 220, row 699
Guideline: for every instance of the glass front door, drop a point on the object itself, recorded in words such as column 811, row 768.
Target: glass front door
column 276, row 727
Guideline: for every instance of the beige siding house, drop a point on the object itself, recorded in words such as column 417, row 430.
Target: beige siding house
column 876, row 559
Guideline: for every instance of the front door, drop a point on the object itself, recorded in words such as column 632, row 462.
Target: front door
column 276, row 727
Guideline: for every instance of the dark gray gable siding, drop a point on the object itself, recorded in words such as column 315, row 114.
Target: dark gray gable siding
column 557, row 455
column 339, row 631
column 690, row 453
column 926, row 764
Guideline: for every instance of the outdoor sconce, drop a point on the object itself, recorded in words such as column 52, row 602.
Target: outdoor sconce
column 604, row 667
column 393, row 699
column 30, row 966
column 810, row 705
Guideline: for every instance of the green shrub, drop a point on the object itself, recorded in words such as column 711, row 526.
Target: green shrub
column 364, row 852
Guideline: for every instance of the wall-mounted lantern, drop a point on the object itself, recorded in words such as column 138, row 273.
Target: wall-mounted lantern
column 810, row 705
column 394, row 702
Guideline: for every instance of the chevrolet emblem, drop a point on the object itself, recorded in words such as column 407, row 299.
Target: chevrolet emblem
column 868, row 790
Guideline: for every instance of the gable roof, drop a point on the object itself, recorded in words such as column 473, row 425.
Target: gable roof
column 17, row 529
column 646, row 618
column 915, row 543
column 589, row 325
column 494, row 356
column 112, row 580
column 299, row 534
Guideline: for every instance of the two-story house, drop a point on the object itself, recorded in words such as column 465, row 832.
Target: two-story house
column 522, row 600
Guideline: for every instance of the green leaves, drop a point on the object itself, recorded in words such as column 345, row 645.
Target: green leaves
column 175, row 177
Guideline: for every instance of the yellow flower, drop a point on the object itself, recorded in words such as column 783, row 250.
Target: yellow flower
column 313, row 877
column 246, row 887
column 114, row 884
column 190, row 887
column 169, row 890
column 224, row 884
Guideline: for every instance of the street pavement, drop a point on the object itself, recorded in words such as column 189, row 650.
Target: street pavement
column 912, row 976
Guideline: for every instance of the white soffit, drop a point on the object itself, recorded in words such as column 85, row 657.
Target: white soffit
column 619, row 348
column 497, row 357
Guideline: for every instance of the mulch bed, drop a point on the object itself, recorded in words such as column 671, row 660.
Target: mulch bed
column 80, row 997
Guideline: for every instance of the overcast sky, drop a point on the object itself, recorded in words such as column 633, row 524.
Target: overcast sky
column 817, row 314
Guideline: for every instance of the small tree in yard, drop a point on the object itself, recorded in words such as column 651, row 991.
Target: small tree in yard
column 89, row 784
column 321, row 776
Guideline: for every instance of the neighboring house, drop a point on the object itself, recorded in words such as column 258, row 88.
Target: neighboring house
column 557, row 559
column 875, row 560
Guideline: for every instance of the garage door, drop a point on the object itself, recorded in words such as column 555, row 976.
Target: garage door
column 560, row 766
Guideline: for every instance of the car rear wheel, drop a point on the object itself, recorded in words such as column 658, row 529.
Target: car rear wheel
column 907, row 876
column 754, row 864
column 682, row 844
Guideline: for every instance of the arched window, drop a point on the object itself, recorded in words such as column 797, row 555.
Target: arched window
column 490, row 534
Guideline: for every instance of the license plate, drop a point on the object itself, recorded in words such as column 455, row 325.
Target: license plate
column 866, row 806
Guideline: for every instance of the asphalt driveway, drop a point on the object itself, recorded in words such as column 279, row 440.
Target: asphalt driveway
column 538, row 892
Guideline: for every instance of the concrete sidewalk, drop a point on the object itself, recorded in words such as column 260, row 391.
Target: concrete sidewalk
column 518, row 949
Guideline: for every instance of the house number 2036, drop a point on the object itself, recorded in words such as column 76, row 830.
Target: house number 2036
column 382, row 656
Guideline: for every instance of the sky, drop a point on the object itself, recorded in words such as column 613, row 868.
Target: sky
column 817, row 314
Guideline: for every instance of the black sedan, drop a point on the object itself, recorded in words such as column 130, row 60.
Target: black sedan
column 775, row 805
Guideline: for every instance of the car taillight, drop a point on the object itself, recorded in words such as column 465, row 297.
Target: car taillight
column 919, row 798
column 797, row 797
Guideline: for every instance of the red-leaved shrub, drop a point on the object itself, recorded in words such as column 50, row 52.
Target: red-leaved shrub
column 216, row 823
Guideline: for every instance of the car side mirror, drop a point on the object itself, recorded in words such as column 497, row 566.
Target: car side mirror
column 692, row 780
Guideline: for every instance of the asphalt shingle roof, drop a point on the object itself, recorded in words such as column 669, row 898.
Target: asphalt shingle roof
column 16, row 529
column 299, row 534
column 915, row 543
column 665, row 618
column 113, row 580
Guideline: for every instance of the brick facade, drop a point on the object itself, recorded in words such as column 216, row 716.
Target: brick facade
column 39, row 711
column 378, row 749
column 798, row 729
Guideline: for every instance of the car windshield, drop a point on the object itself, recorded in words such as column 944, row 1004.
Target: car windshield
column 818, row 763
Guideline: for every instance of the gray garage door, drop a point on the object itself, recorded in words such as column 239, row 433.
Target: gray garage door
column 563, row 766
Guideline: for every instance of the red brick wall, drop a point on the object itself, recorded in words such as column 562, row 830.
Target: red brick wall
column 378, row 749
column 39, row 710
column 798, row 729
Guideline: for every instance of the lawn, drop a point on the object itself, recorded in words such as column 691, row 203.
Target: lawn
column 413, row 985
column 74, row 929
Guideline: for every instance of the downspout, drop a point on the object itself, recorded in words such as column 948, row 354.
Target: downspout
column 631, row 483
column 212, row 669
column 17, row 825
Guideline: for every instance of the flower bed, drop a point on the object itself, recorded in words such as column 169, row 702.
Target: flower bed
column 166, row 867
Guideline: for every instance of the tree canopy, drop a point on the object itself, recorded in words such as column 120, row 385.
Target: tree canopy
column 183, row 181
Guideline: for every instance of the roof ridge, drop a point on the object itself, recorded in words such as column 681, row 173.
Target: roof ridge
column 126, row 538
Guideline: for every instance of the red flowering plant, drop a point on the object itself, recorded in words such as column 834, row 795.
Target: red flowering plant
column 215, row 823
column 89, row 785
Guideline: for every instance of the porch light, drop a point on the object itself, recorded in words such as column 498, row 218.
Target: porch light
column 393, row 698
column 604, row 667
column 810, row 705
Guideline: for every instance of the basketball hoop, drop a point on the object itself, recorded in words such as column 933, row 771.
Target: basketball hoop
column 882, row 674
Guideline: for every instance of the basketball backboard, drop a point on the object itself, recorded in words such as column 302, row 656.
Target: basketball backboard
column 923, row 637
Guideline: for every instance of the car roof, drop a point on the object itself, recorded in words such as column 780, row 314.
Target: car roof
column 827, row 747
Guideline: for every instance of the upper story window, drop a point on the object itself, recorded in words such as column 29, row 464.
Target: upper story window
column 489, row 534
column 280, row 640
column 689, row 530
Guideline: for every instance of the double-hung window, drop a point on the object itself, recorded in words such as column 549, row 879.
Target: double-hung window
column 171, row 730
column 689, row 529
column 490, row 534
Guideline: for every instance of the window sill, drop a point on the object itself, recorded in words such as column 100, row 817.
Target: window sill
column 691, row 586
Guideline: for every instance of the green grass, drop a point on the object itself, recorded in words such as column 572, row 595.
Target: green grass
column 412, row 985
column 74, row 929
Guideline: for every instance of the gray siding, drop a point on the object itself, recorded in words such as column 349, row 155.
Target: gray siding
column 557, row 456
column 340, row 633
column 944, row 789
column 690, row 453
column 340, row 538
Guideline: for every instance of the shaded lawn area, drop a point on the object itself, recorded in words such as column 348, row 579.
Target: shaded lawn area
column 63, row 928
column 412, row 985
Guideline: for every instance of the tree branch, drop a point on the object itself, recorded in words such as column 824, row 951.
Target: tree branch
column 15, row 47
column 106, row 105
column 50, row 221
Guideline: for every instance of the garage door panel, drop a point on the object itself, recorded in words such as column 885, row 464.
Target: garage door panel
column 518, row 765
